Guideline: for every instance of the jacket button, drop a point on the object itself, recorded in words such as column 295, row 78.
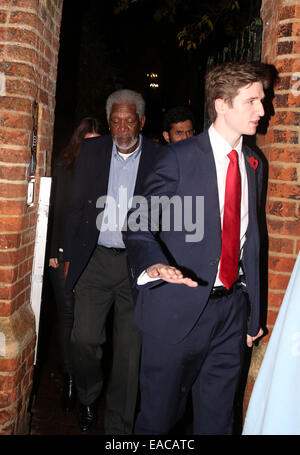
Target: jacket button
column 214, row 262
column 87, row 222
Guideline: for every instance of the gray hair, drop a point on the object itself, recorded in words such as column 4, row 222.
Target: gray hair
column 128, row 96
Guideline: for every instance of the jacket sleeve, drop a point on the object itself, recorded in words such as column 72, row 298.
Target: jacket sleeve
column 75, row 208
column 144, row 218
column 59, row 199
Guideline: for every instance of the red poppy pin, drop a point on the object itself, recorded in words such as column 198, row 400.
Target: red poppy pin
column 253, row 162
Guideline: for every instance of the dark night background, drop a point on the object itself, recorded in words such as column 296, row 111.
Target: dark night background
column 101, row 51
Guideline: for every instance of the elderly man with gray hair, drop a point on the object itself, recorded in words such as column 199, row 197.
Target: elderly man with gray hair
column 110, row 170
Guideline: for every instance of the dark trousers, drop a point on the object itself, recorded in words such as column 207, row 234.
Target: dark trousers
column 207, row 362
column 65, row 310
column 104, row 284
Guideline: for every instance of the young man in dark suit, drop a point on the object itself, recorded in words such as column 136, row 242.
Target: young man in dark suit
column 109, row 171
column 198, row 301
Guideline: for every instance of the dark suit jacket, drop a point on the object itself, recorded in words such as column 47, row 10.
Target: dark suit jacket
column 60, row 196
column 90, row 183
column 169, row 311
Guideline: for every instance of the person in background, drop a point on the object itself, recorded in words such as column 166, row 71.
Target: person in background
column 110, row 170
column 63, row 171
column 178, row 124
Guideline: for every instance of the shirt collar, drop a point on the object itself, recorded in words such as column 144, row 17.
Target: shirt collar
column 220, row 145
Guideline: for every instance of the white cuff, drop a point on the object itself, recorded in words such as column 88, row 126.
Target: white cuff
column 144, row 278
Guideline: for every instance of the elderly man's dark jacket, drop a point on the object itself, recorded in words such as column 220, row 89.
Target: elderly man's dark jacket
column 91, row 182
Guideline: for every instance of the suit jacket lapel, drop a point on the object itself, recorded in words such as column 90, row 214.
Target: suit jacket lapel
column 252, row 191
column 212, row 184
column 146, row 161
column 103, row 167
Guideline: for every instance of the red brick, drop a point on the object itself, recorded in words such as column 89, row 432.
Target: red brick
column 285, row 154
column 284, row 83
column 25, row 268
column 11, row 223
column 281, row 208
column 285, row 30
column 278, row 282
column 18, row 53
column 18, row 69
column 11, row 207
column 11, row 190
column 281, row 245
column 15, row 120
column 28, row 236
column 8, row 308
column 10, row 427
column 286, row 136
column 283, row 173
column 8, row 275
column 15, row 104
column 12, row 258
column 21, row 87
column 5, row 416
column 296, row 29
column 285, row 47
column 13, row 173
column 3, row 17
column 287, row 12
column 284, row 227
column 17, row 35
column 272, row 316
column 12, row 137
column 8, row 398
column 268, row 335
column 31, row 4
column 8, row 241
column 275, row 299
column 9, row 364
column 281, row 264
column 288, row 65
column 8, row 292
column 285, row 118
column 8, row 381
column 296, row 47
column 20, row 156
column 23, row 18
column 284, row 190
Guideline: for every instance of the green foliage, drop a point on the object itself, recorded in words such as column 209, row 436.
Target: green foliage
column 200, row 21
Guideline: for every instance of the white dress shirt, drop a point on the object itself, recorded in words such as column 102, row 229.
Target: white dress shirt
column 221, row 148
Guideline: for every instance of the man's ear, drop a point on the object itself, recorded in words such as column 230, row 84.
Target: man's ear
column 166, row 136
column 220, row 106
column 143, row 119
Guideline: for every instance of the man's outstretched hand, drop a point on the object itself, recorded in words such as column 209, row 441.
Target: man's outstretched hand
column 170, row 274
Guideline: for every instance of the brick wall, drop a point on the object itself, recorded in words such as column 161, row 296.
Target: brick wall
column 29, row 44
column 281, row 48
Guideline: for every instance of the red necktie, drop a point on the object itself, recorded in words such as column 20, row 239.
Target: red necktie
column 231, row 223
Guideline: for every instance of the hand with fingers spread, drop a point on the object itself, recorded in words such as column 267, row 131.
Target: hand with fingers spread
column 170, row 274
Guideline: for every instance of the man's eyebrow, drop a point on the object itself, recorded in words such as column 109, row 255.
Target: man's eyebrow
column 256, row 98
